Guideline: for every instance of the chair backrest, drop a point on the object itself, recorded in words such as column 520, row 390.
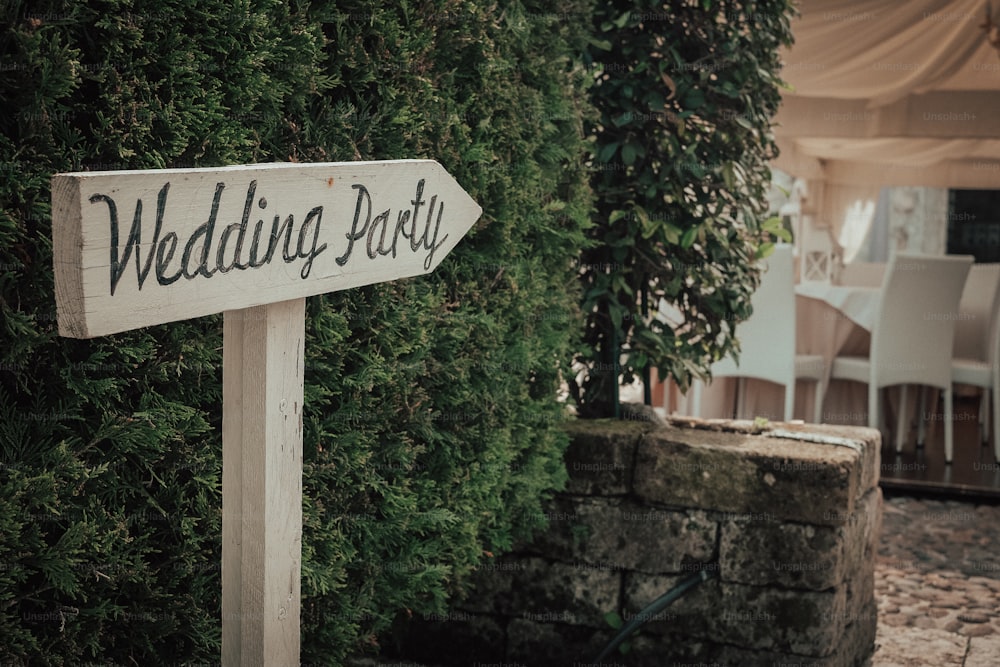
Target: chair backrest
column 914, row 331
column 816, row 253
column 767, row 337
column 862, row 274
column 977, row 313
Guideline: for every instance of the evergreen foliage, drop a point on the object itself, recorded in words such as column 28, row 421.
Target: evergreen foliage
column 686, row 91
column 431, row 424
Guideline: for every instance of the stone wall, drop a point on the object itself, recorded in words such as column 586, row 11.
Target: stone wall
column 788, row 528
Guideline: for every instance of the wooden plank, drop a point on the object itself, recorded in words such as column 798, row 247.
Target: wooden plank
column 232, row 486
column 137, row 248
column 262, row 483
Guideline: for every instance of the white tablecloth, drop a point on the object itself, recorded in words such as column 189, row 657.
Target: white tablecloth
column 859, row 304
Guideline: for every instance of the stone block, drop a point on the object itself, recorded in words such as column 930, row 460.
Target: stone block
column 859, row 634
column 687, row 615
column 618, row 534
column 794, row 555
column 570, row 524
column 468, row 638
column 553, row 592
column 867, row 513
column 601, row 456
column 867, row 441
column 681, row 651
column 805, row 623
column 860, row 599
column 861, row 550
column 788, row 555
column 796, row 622
column 360, row 661
column 777, row 477
column 731, row 656
column 670, row 650
column 657, row 540
column 532, row 644
column 491, row 586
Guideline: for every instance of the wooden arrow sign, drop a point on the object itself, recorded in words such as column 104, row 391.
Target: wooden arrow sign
column 137, row 248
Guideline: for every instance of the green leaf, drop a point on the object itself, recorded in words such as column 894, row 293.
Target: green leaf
column 613, row 619
column 656, row 101
column 671, row 232
column 616, row 317
column 619, row 284
column 776, row 227
column 764, row 250
column 772, row 224
column 608, row 151
column 728, row 177
column 629, row 153
column 649, row 228
column 694, row 99
column 689, row 236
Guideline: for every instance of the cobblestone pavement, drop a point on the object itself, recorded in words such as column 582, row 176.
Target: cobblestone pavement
column 937, row 581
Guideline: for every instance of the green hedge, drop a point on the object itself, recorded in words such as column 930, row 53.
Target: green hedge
column 431, row 424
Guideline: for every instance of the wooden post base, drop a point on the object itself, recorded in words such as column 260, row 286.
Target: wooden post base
column 262, row 484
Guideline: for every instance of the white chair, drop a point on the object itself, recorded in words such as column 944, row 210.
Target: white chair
column 814, row 244
column 979, row 365
column 767, row 340
column 819, row 252
column 976, row 312
column 912, row 338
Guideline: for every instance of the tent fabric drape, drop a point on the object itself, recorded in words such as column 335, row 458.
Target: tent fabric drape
column 890, row 93
column 884, row 50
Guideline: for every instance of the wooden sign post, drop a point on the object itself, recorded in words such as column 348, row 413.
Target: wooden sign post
column 137, row 248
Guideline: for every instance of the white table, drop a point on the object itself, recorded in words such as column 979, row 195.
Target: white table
column 858, row 304
column 832, row 321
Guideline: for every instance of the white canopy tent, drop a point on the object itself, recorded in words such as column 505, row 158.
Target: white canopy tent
column 889, row 93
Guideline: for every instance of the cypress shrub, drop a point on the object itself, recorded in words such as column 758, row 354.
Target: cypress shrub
column 431, row 419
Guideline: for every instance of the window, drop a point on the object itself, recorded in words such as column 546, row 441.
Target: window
column 974, row 224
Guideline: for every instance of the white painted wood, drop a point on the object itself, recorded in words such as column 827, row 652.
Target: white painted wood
column 262, row 483
column 232, row 487
column 336, row 226
column 137, row 248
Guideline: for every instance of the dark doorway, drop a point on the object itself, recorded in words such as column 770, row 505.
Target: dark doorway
column 974, row 224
